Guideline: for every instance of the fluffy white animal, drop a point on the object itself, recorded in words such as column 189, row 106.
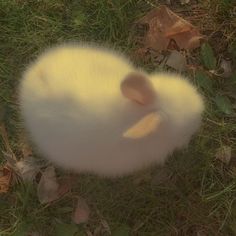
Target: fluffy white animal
column 89, row 109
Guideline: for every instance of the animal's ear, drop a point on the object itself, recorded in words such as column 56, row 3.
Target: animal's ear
column 138, row 88
column 147, row 125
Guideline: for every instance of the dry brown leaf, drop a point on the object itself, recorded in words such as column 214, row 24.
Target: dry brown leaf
column 5, row 139
column 27, row 168
column 224, row 154
column 225, row 70
column 177, row 28
column 82, row 212
column 48, row 186
column 164, row 26
column 5, row 179
column 176, row 61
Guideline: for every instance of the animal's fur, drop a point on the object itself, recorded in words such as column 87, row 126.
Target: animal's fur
column 76, row 114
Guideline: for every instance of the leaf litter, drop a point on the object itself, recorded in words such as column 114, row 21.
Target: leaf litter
column 164, row 37
column 27, row 168
column 81, row 212
column 163, row 25
column 50, row 188
column 225, row 69
column 5, row 139
column 6, row 170
column 5, row 179
column 176, row 61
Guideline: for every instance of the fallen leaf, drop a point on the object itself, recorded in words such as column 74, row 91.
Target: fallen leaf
column 5, row 179
column 9, row 155
column 158, row 59
column 224, row 105
column 178, row 28
column 225, row 69
column 224, row 154
column 82, row 212
column 176, row 61
column 226, row 65
column 173, row 45
column 48, row 186
column 164, row 25
column 204, row 81
column 5, row 139
column 207, row 56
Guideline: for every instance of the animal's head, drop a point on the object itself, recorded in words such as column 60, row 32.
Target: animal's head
column 170, row 99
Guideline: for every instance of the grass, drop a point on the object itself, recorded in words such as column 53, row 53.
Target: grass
column 197, row 199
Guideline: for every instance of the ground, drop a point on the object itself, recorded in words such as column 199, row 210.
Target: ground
column 194, row 194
